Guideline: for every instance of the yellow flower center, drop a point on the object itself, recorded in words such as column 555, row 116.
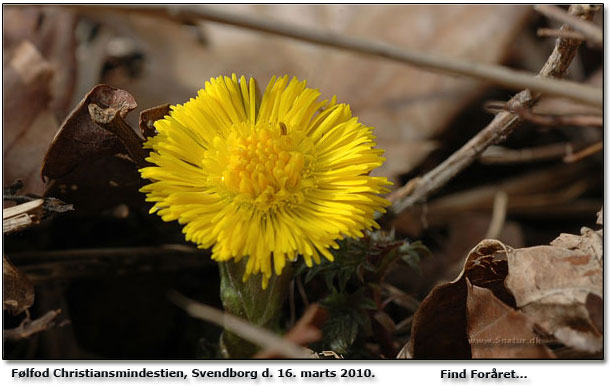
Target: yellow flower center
column 263, row 165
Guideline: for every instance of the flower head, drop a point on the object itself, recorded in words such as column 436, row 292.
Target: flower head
column 264, row 179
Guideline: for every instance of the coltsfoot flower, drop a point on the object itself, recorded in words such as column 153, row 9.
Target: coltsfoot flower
column 264, row 179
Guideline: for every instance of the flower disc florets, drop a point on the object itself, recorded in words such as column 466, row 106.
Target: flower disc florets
column 267, row 179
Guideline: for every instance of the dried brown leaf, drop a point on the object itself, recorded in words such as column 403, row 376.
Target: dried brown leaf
column 595, row 307
column 496, row 330
column 439, row 325
column 589, row 242
column 51, row 31
column 79, row 138
column 100, row 184
column 38, row 81
column 28, row 124
column 148, row 118
column 439, row 328
column 17, row 291
column 552, row 284
column 557, row 288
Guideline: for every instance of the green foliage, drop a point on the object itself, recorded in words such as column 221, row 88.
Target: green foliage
column 347, row 315
column 411, row 254
column 350, row 261
column 354, row 281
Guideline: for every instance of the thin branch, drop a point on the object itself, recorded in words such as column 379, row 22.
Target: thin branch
column 494, row 74
column 17, row 223
column 401, row 298
column 593, row 33
column 498, row 215
column 404, row 190
column 257, row 335
column 302, row 291
column 497, row 130
column 306, row 330
column 557, row 119
column 43, row 266
column 50, row 204
column 557, row 33
column 291, row 303
column 548, row 192
column 586, row 152
column 503, row 155
column 32, row 327
column 404, row 325
column 22, row 208
column 21, row 216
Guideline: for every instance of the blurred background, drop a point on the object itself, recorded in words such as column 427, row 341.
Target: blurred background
column 108, row 264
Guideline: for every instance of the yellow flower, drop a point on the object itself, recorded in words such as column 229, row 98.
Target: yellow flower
column 264, row 179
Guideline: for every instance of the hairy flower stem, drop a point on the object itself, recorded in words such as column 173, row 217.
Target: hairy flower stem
column 261, row 307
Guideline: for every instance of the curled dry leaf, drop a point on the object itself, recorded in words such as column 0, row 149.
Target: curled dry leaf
column 17, row 290
column 80, row 139
column 148, row 118
column 89, row 165
column 455, row 316
column 439, row 328
column 511, row 295
column 560, row 287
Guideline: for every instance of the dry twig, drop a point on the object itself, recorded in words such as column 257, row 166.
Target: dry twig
column 526, row 114
column 21, row 216
column 593, row 33
column 257, row 335
column 557, row 33
column 401, row 298
column 498, row 215
column 503, row 155
column 586, row 152
column 547, row 193
column 30, row 327
column 494, row 74
column 404, row 325
column 78, row 263
column 305, row 331
column 500, row 127
column 26, row 207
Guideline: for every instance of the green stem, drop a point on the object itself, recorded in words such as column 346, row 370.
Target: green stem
column 251, row 302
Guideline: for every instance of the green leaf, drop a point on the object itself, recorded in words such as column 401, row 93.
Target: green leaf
column 347, row 317
column 341, row 332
